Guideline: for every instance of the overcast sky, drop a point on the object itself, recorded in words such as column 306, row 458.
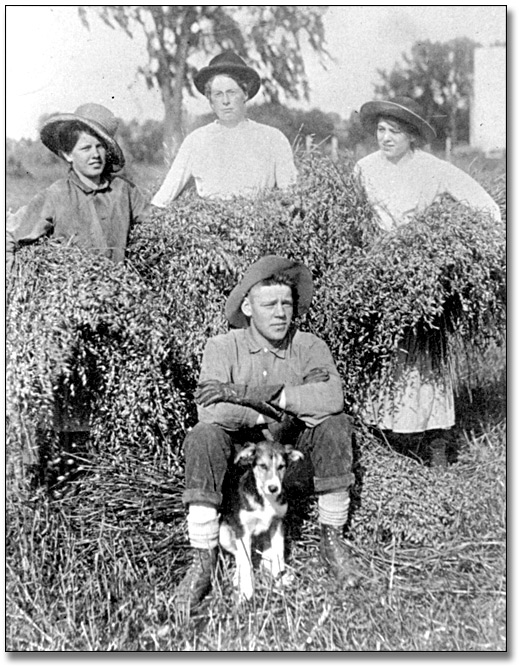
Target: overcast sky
column 54, row 64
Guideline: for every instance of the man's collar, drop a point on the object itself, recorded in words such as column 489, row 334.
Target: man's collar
column 255, row 346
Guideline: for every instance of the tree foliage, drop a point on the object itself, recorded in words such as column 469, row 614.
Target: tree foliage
column 143, row 141
column 440, row 77
column 268, row 37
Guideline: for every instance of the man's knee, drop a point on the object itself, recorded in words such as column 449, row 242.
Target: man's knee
column 337, row 427
column 204, row 436
column 208, row 450
column 332, row 452
column 204, row 430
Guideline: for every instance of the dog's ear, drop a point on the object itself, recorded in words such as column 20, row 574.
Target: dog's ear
column 293, row 454
column 246, row 456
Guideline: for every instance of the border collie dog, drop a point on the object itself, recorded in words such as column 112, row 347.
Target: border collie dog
column 253, row 510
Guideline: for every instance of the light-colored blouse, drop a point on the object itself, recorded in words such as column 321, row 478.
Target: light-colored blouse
column 227, row 162
column 422, row 399
column 398, row 191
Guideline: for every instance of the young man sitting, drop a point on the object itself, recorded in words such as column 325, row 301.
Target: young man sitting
column 254, row 380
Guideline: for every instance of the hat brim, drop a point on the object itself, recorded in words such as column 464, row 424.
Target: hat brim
column 265, row 268
column 241, row 72
column 50, row 136
column 372, row 110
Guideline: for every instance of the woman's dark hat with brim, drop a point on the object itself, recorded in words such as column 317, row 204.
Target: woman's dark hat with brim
column 230, row 64
column 97, row 119
column 265, row 268
column 402, row 108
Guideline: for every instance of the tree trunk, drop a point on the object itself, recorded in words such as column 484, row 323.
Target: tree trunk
column 173, row 133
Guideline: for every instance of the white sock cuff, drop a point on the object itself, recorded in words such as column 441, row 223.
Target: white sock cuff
column 203, row 527
column 202, row 513
column 333, row 508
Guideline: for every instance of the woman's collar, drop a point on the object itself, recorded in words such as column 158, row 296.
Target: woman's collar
column 87, row 185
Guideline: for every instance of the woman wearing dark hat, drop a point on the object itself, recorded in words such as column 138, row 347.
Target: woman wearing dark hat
column 91, row 207
column 233, row 155
column 402, row 180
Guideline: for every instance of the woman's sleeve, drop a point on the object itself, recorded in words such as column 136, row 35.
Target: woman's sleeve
column 464, row 188
column 140, row 207
column 177, row 177
column 285, row 169
column 28, row 224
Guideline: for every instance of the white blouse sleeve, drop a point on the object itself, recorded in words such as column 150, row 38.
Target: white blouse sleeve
column 285, row 170
column 464, row 188
column 177, row 177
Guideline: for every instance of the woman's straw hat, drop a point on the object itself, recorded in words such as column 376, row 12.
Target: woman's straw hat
column 97, row 119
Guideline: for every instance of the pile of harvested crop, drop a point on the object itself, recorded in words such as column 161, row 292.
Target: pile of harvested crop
column 123, row 343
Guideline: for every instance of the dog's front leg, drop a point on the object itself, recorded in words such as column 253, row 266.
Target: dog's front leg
column 273, row 557
column 244, row 576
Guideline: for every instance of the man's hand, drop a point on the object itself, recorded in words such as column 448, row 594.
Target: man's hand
column 213, row 391
column 289, row 427
column 317, row 375
column 257, row 397
column 261, row 398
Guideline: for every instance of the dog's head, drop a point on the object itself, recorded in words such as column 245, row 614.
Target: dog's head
column 268, row 461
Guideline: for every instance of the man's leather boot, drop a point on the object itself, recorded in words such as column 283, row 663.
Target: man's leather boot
column 336, row 555
column 197, row 582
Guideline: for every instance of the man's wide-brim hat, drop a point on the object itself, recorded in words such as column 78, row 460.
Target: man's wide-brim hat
column 230, row 64
column 97, row 120
column 401, row 108
column 264, row 268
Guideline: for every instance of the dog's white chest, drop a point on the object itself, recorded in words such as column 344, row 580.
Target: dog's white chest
column 259, row 519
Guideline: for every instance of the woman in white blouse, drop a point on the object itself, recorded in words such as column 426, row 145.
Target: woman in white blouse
column 232, row 156
column 401, row 180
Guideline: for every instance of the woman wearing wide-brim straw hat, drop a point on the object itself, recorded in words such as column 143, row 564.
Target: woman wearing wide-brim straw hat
column 92, row 206
column 418, row 176
column 401, row 180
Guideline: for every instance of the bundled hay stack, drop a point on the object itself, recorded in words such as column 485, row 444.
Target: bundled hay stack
column 440, row 279
column 124, row 342
column 87, row 336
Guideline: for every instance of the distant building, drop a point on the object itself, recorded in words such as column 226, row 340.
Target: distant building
column 488, row 106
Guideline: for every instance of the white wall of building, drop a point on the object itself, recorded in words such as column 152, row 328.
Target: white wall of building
column 488, row 108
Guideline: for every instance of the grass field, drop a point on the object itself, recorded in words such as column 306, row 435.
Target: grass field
column 73, row 584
